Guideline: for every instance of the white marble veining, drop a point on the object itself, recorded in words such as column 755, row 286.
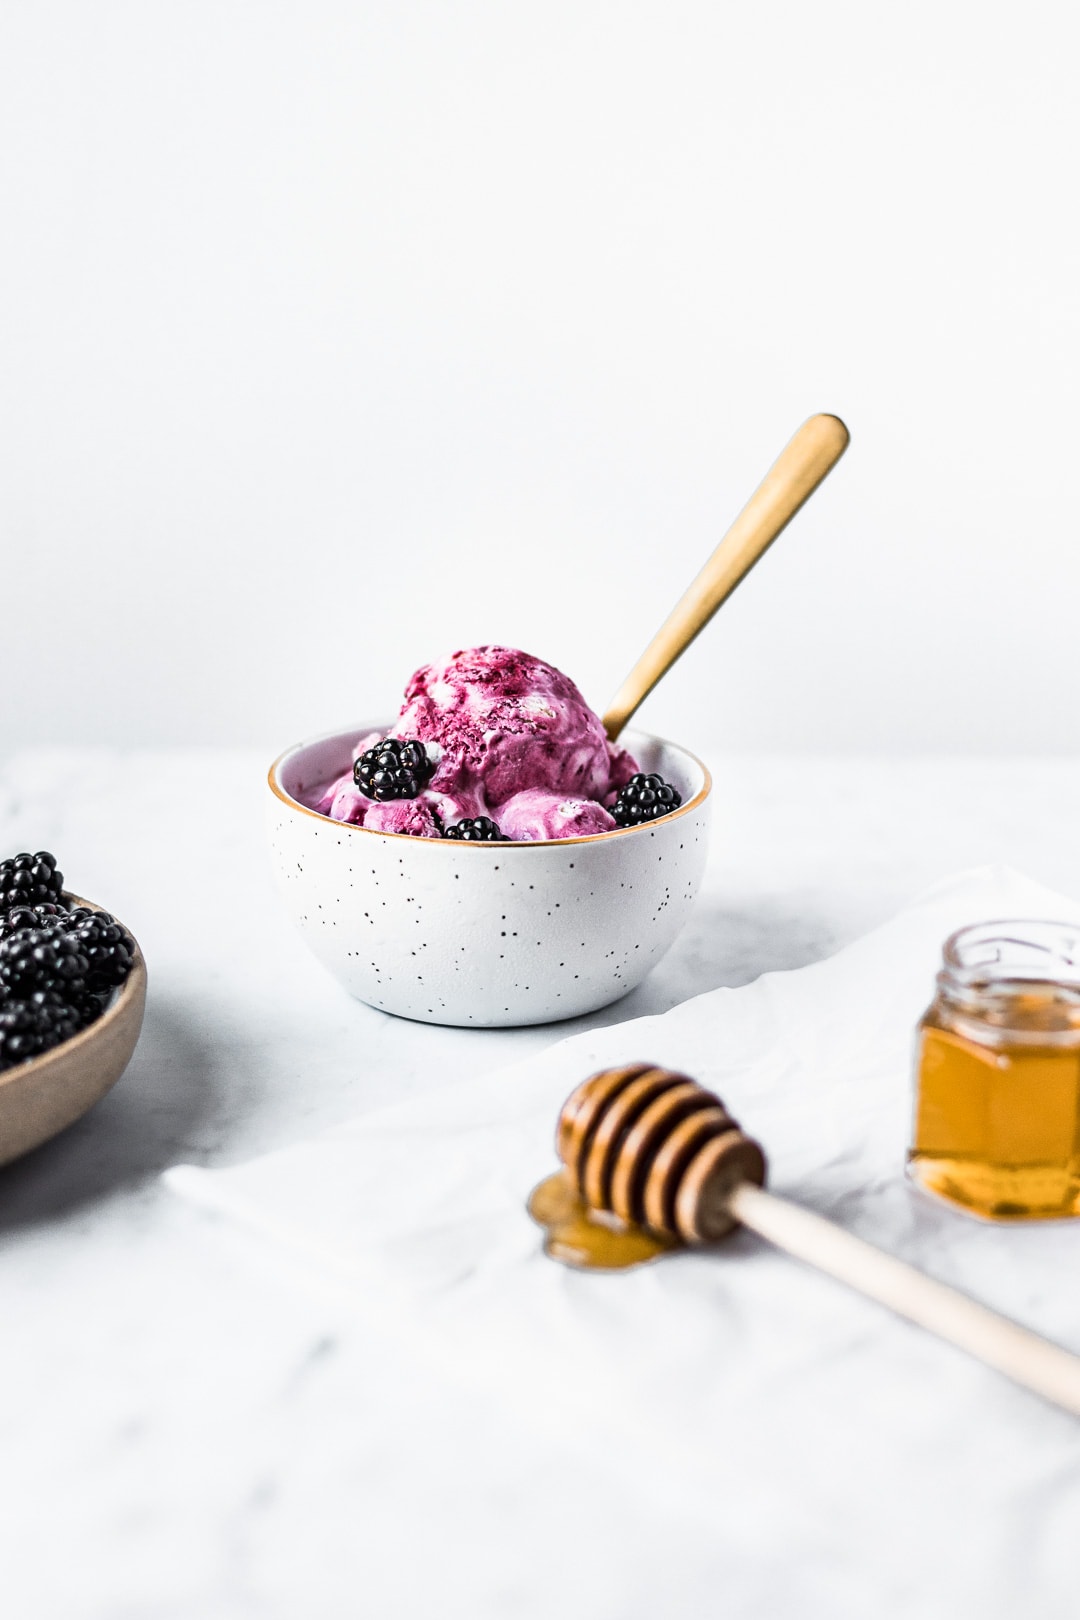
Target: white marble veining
column 189, row 1432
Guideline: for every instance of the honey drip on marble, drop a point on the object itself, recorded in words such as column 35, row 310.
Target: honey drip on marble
column 997, row 1118
column 589, row 1239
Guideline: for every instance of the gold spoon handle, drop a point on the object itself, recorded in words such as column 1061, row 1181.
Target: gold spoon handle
column 791, row 480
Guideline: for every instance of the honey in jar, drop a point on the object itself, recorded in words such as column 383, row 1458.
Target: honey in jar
column 997, row 1073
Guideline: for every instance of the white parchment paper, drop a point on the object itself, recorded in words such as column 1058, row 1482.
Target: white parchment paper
column 832, row 1456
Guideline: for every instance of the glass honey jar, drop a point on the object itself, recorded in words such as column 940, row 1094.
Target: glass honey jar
column 997, row 1073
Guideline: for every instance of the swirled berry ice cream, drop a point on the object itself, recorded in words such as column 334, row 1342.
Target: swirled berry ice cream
column 508, row 746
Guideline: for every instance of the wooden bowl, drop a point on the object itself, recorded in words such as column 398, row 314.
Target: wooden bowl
column 50, row 1092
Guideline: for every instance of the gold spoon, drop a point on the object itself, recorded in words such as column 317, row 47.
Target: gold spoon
column 791, row 480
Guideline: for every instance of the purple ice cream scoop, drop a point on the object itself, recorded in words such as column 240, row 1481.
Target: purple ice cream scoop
column 511, row 738
column 539, row 813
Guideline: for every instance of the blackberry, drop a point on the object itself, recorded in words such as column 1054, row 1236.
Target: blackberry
column 32, row 1025
column 42, row 959
column 30, row 880
column 393, row 770
column 86, row 1005
column 477, row 830
column 644, row 798
column 43, row 916
column 108, row 947
column 58, row 967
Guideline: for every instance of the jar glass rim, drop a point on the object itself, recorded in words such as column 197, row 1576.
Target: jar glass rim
column 1013, row 951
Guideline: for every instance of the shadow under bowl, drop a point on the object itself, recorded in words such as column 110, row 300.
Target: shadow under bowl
column 485, row 934
column 45, row 1095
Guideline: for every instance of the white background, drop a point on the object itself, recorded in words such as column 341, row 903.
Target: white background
column 333, row 336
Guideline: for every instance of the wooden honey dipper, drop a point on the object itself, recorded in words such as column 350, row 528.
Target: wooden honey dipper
column 654, row 1160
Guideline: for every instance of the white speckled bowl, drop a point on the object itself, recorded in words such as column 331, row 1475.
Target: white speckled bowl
column 485, row 934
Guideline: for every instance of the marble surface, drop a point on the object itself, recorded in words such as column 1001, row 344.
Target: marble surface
column 191, row 1430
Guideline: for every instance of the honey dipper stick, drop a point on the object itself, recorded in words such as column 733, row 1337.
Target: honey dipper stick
column 1023, row 1356
column 658, row 1151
